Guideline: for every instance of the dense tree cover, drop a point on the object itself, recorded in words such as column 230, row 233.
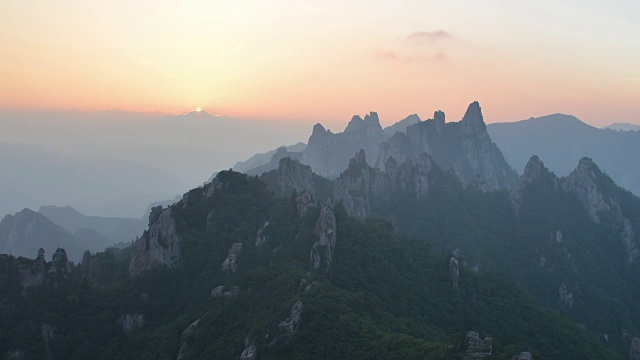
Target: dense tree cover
column 386, row 295
column 484, row 229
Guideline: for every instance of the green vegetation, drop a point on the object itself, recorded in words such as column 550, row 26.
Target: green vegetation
column 386, row 296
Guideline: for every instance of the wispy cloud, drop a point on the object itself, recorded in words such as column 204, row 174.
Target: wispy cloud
column 386, row 55
column 429, row 37
column 441, row 56
column 395, row 56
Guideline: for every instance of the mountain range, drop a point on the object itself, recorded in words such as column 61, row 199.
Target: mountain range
column 563, row 139
column 421, row 244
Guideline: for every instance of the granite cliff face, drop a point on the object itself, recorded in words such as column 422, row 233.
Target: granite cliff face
column 583, row 183
column 586, row 183
column 361, row 187
column 328, row 154
column 293, row 176
column 159, row 246
column 465, row 147
column 321, row 256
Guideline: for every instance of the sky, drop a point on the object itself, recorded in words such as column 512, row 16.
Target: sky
column 323, row 61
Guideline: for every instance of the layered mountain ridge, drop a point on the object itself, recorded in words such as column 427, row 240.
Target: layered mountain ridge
column 435, row 250
column 464, row 147
column 562, row 140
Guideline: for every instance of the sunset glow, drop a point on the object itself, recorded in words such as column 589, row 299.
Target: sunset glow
column 328, row 61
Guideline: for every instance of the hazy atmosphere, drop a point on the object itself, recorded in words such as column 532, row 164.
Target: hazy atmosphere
column 283, row 179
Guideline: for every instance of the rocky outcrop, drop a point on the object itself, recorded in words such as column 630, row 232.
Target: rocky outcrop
column 293, row 176
column 321, row 256
column 85, row 265
column 357, row 185
column 59, row 267
column 159, row 246
column 231, row 262
column 583, row 183
column 261, row 238
column 289, row 326
column 328, row 154
column 46, row 332
column 454, row 272
column 465, row 147
column 305, row 201
column 629, row 242
column 360, row 188
column 634, row 351
column 534, row 172
column 35, row 273
column 475, row 347
column 131, row 322
column 566, row 297
column 185, row 339
column 217, row 291
column 523, row 356
column 250, row 352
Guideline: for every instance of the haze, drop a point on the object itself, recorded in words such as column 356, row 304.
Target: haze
column 269, row 70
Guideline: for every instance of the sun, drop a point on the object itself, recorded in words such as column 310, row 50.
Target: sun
column 198, row 109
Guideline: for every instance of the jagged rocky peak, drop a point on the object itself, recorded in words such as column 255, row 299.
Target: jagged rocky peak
column 318, row 130
column 294, row 176
column 370, row 125
column 465, row 147
column 583, row 183
column 359, row 159
column 354, row 125
column 438, row 117
column 355, row 186
column 321, row 256
column 534, row 171
column 473, row 121
column 157, row 247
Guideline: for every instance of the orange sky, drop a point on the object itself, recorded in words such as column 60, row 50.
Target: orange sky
column 324, row 62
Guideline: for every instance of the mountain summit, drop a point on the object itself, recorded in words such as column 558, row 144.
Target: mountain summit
column 465, row 147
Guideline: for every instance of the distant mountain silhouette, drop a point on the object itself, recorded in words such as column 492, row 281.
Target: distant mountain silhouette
column 623, row 127
column 32, row 176
column 562, row 140
column 113, row 229
column 23, row 233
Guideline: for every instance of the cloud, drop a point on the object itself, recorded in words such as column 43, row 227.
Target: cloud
column 441, row 56
column 385, row 55
column 429, row 37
